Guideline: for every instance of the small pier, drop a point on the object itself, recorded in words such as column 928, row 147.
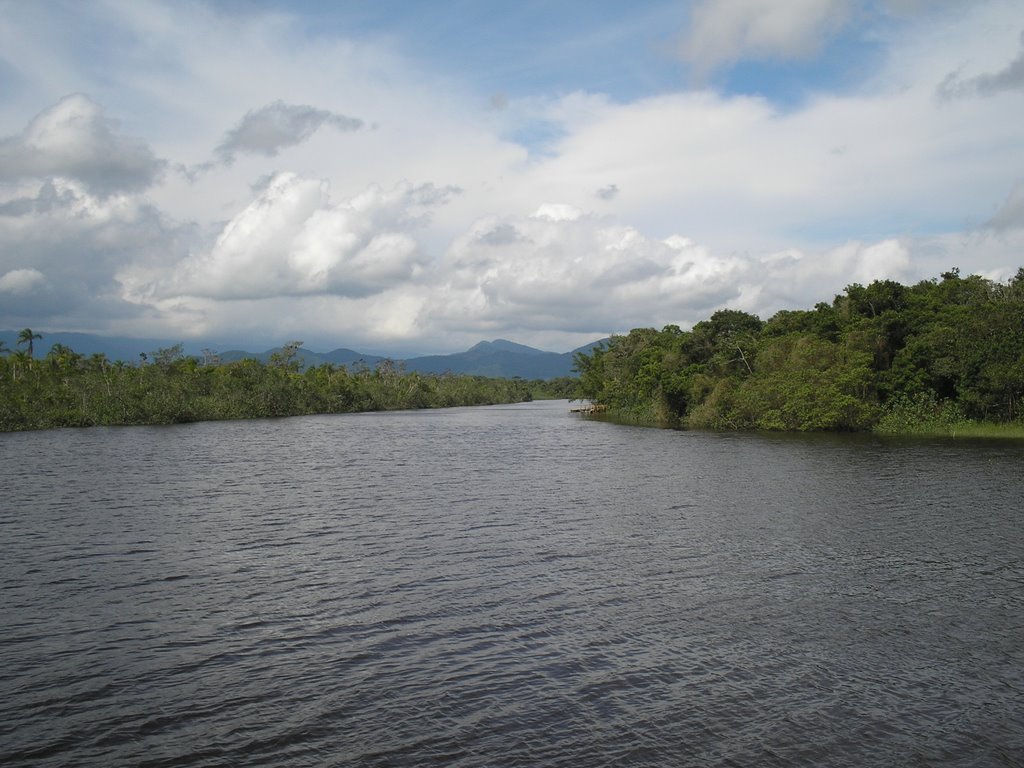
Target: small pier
column 588, row 409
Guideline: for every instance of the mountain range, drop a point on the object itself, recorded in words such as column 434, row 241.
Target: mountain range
column 499, row 358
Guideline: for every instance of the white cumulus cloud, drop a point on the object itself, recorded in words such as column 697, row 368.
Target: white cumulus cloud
column 303, row 224
column 573, row 272
column 21, row 281
column 573, row 279
column 74, row 139
column 293, row 240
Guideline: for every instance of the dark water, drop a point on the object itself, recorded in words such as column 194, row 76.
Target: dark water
column 507, row 586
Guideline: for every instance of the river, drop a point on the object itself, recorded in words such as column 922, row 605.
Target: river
column 511, row 586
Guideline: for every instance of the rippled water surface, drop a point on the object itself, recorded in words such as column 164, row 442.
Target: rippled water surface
column 507, row 586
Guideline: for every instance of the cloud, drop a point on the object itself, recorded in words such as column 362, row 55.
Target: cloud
column 574, row 272
column 293, row 241
column 586, row 275
column 563, row 280
column 1009, row 78
column 73, row 139
column 557, row 212
column 502, row 234
column 1011, row 213
column 63, row 248
column 268, row 130
column 740, row 174
column 725, row 31
column 312, row 233
column 21, row 281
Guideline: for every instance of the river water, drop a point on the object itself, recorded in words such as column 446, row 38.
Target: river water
column 508, row 586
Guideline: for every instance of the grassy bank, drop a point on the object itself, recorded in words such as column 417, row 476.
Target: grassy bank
column 895, row 423
column 964, row 429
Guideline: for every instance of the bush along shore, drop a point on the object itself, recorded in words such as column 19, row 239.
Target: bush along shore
column 942, row 357
column 66, row 389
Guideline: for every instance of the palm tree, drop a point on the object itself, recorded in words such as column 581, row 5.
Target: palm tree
column 26, row 337
column 3, row 348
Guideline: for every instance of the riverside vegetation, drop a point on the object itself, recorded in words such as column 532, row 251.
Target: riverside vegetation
column 67, row 389
column 944, row 356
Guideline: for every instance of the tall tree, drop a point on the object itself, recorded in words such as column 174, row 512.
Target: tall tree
column 27, row 337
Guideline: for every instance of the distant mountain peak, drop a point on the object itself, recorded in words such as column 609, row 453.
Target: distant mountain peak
column 499, row 357
column 504, row 345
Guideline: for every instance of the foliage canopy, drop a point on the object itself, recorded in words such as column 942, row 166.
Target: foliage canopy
column 66, row 389
column 882, row 356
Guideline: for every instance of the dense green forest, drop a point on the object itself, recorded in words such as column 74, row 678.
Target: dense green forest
column 66, row 389
column 885, row 357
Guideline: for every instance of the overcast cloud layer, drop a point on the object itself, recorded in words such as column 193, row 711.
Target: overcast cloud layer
column 192, row 171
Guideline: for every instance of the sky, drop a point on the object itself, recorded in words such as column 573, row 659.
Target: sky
column 401, row 177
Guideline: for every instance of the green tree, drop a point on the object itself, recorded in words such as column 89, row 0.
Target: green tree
column 63, row 357
column 26, row 336
column 727, row 335
column 803, row 383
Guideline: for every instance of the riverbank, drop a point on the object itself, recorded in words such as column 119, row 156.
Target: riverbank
column 67, row 391
column 927, row 358
column 963, row 428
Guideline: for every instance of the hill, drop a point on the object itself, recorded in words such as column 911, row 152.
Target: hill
column 499, row 358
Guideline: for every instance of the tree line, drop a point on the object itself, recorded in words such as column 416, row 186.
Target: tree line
column 886, row 357
column 67, row 389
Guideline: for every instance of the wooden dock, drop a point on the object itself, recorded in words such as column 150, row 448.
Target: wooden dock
column 588, row 409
